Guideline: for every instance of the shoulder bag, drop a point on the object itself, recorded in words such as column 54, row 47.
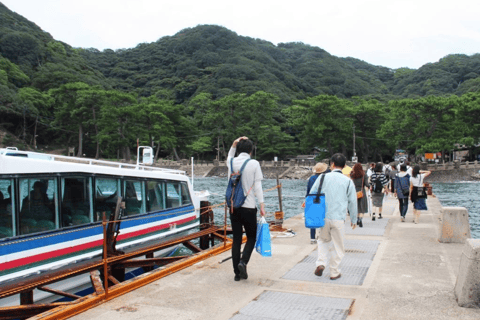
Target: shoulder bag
column 405, row 190
column 421, row 190
column 360, row 193
column 315, row 208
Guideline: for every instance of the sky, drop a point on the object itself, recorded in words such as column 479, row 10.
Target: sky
column 390, row 33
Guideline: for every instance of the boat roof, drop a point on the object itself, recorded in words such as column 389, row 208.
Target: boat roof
column 13, row 161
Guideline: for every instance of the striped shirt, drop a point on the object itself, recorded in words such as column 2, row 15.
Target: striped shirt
column 378, row 175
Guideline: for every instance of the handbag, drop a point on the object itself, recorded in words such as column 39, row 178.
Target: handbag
column 421, row 190
column 405, row 191
column 360, row 193
column 315, row 208
column 263, row 244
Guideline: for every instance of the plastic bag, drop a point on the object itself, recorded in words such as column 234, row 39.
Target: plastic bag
column 264, row 244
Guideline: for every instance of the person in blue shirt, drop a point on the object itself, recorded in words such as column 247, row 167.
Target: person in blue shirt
column 340, row 196
column 317, row 170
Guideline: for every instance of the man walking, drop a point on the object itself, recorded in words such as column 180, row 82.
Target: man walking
column 246, row 215
column 340, row 195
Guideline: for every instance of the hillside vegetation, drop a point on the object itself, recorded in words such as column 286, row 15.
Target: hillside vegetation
column 185, row 94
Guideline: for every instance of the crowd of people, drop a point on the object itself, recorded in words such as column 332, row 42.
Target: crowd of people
column 347, row 190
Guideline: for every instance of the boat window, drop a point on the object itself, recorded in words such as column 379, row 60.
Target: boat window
column 38, row 205
column 155, row 196
column 76, row 201
column 134, row 197
column 7, row 208
column 185, row 194
column 106, row 191
column 173, row 194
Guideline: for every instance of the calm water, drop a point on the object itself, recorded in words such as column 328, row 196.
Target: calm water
column 293, row 191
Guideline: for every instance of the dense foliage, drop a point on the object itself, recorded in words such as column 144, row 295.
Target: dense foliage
column 191, row 94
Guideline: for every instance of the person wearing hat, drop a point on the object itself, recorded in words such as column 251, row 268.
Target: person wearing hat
column 317, row 170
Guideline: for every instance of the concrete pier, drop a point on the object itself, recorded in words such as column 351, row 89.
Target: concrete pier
column 391, row 270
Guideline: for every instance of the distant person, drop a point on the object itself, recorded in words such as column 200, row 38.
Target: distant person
column 378, row 183
column 392, row 174
column 416, row 181
column 360, row 180
column 371, row 169
column 402, row 182
column 340, row 196
column 317, row 170
column 246, row 216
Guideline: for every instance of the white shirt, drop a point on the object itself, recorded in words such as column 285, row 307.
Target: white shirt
column 418, row 181
column 251, row 177
column 369, row 172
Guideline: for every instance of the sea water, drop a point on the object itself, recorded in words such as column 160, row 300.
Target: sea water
column 463, row 194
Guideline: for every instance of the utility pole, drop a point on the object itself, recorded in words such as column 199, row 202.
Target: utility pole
column 354, row 153
column 218, row 148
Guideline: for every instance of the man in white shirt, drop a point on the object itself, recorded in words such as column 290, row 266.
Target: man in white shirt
column 246, row 215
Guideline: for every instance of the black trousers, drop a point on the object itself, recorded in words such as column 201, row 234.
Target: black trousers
column 243, row 218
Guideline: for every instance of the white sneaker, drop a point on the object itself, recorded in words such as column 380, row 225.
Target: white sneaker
column 312, row 241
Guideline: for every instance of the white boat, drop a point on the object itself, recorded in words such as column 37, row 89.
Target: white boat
column 51, row 208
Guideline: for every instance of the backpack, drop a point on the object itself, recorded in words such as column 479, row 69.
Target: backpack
column 377, row 186
column 235, row 197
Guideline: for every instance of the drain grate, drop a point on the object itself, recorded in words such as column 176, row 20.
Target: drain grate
column 281, row 305
column 358, row 258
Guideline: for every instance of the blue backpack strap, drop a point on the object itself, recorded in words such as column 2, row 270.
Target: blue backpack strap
column 231, row 165
column 243, row 166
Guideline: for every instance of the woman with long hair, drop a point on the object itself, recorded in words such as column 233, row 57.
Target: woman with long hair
column 418, row 195
column 378, row 186
column 360, row 180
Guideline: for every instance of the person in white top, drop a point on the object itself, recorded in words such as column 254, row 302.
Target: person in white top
column 418, row 195
column 245, row 217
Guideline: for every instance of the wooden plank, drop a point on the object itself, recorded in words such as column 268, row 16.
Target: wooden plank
column 97, row 283
column 147, row 262
column 58, row 292
column 192, row 247
column 113, row 279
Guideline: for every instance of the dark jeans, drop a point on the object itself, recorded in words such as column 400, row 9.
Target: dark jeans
column 403, row 206
column 246, row 218
column 312, row 233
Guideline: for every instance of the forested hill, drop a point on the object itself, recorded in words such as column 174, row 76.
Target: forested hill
column 205, row 86
column 215, row 60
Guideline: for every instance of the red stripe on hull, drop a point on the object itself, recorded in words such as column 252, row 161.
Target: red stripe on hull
column 60, row 252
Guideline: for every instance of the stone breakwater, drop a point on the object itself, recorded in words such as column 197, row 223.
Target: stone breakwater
column 303, row 173
column 454, row 175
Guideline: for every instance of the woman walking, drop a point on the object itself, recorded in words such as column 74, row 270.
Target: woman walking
column 317, row 170
column 360, row 180
column 378, row 186
column 392, row 174
column 418, row 195
column 402, row 190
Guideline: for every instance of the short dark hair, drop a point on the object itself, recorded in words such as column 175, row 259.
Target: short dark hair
column 245, row 145
column 339, row 160
column 403, row 167
column 379, row 167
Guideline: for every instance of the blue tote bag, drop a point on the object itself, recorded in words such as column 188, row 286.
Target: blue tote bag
column 315, row 208
column 263, row 245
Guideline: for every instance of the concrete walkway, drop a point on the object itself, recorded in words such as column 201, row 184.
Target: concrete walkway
column 410, row 275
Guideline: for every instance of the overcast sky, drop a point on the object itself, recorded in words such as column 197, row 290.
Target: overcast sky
column 391, row 33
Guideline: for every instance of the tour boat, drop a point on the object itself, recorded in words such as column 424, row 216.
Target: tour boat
column 51, row 208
